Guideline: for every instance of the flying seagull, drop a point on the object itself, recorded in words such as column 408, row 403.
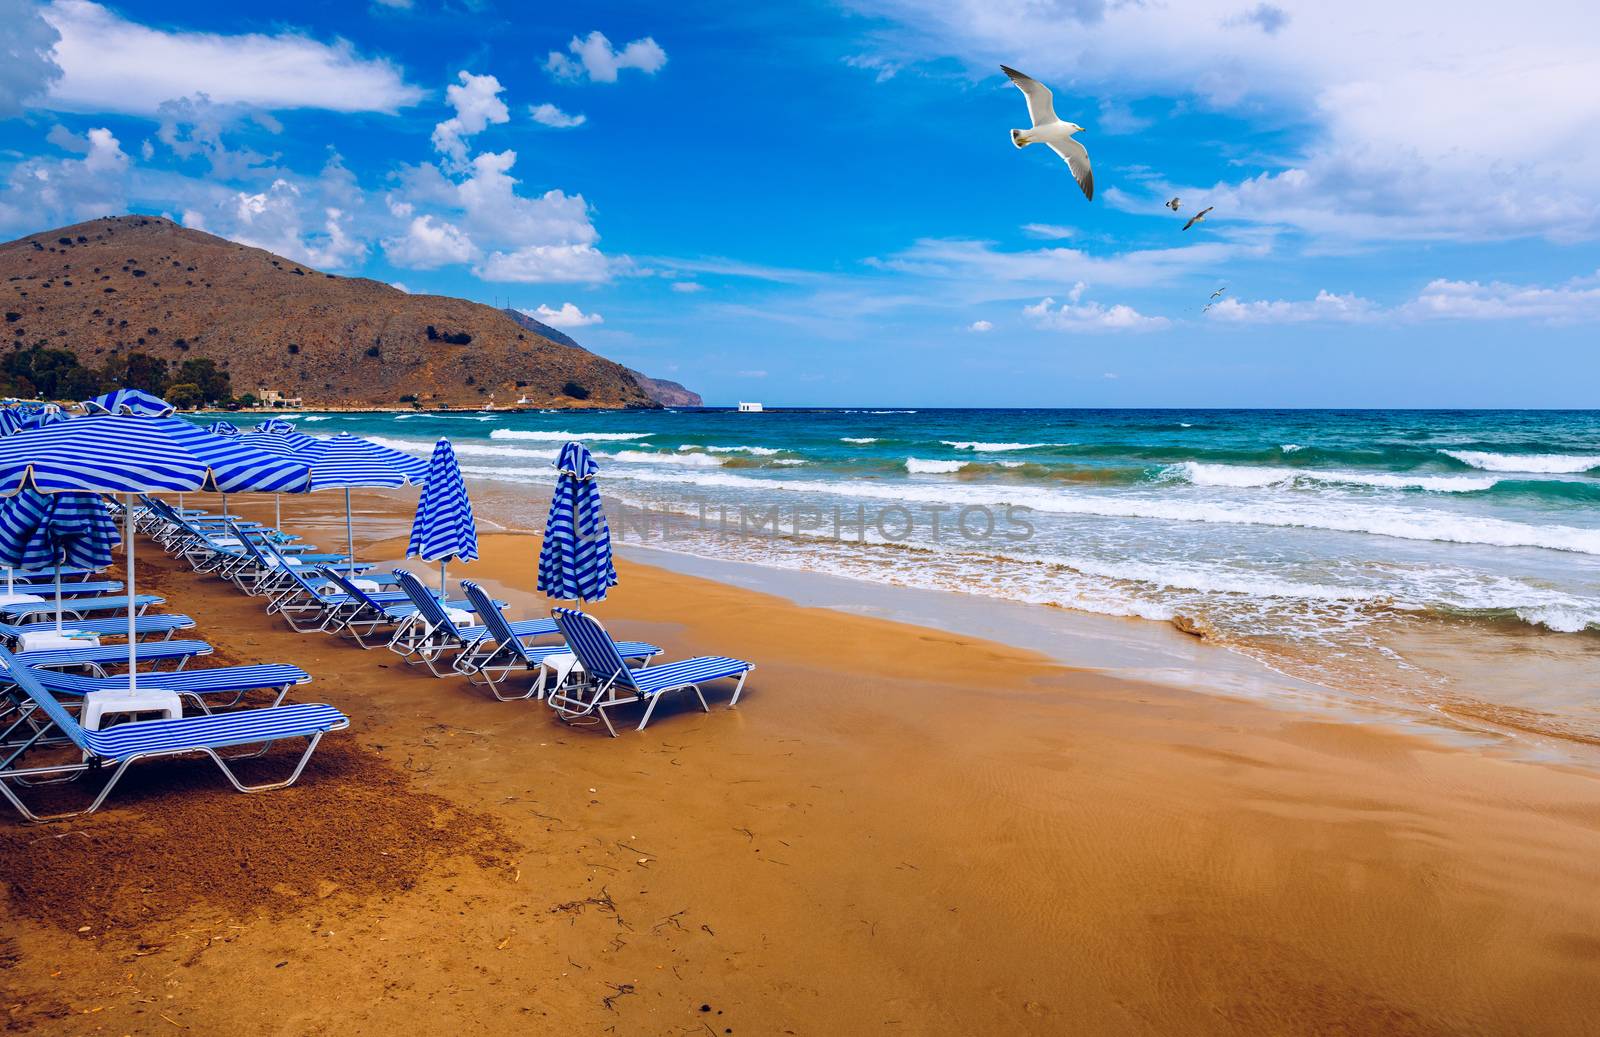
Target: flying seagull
column 1219, row 291
column 1173, row 205
column 1197, row 217
column 1047, row 129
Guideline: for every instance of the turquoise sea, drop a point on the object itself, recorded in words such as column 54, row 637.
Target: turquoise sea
column 1395, row 550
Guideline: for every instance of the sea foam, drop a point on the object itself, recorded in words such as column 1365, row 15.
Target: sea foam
column 1543, row 464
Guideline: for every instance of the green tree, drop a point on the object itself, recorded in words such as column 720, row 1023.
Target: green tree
column 248, row 400
column 215, row 384
column 138, row 371
column 185, row 395
column 52, row 373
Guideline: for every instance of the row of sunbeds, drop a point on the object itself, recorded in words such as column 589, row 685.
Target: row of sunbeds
column 570, row 660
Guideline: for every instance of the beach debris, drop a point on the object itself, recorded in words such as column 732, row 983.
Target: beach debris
column 622, row 991
column 1197, row 217
column 1049, row 130
column 1194, row 626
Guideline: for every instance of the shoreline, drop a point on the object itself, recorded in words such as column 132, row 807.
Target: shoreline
column 899, row 829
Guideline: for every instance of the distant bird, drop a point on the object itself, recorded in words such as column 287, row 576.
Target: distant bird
column 1206, row 307
column 1173, row 205
column 1219, row 291
column 1047, row 129
column 1197, row 217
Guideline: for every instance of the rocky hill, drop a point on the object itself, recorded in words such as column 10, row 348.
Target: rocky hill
column 664, row 392
column 142, row 284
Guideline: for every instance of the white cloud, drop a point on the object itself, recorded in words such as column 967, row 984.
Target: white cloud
column 193, row 126
column 1326, row 306
column 976, row 271
column 45, row 192
column 429, row 243
column 27, row 67
column 596, row 59
column 1049, row 230
column 688, row 286
column 549, row 115
column 568, row 316
column 400, row 285
column 546, row 264
column 402, row 5
column 1575, row 301
column 1090, row 316
column 314, row 221
column 476, row 100
column 1494, row 133
column 110, row 64
column 980, row 326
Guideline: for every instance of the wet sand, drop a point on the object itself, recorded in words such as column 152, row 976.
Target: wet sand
column 898, row 830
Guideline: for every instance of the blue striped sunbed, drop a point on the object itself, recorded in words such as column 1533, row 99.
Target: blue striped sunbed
column 79, row 606
column 143, row 626
column 69, row 588
column 609, row 680
column 96, row 658
column 432, row 635
column 198, row 686
column 363, row 612
column 36, row 719
column 504, row 649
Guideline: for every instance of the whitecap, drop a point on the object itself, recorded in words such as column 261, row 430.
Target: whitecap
column 1542, row 464
column 918, row 466
column 561, row 437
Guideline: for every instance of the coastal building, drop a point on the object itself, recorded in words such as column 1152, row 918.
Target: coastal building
column 274, row 398
column 749, row 408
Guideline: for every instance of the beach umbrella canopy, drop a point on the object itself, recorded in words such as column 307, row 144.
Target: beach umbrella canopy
column 39, row 530
column 575, row 560
column 11, row 420
column 276, row 425
column 42, row 417
column 443, row 529
column 345, row 461
column 224, row 428
column 133, row 402
column 107, row 454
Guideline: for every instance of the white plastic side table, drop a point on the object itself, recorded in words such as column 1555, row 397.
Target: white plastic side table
column 97, row 705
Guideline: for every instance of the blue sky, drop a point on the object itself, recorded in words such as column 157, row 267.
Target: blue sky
column 818, row 203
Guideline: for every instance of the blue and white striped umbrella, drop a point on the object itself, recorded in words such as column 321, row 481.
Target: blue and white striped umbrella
column 575, row 559
column 275, row 425
column 39, row 530
column 224, row 428
column 106, row 454
column 443, row 529
column 287, row 442
column 11, row 419
column 345, row 461
column 130, row 402
column 48, row 415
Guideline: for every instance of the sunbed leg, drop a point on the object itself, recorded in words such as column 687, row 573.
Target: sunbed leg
column 651, row 708
column 737, row 689
column 305, row 758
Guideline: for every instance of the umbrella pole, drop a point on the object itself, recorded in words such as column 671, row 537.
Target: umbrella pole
column 349, row 530
column 224, row 507
column 277, row 512
column 58, row 597
column 11, row 580
column 442, row 564
column 127, row 549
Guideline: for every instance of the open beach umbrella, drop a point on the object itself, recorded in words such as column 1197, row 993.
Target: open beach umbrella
column 575, row 559
column 131, row 455
column 11, row 419
column 224, row 428
column 282, row 444
column 443, row 528
column 345, row 461
column 132, row 402
column 276, row 425
column 56, row 529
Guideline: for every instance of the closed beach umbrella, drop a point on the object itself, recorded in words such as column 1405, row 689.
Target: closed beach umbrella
column 345, row 461
column 443, row 528
column 129, row 455
column 57, row 529
column 575, row 559
column 129, row 402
